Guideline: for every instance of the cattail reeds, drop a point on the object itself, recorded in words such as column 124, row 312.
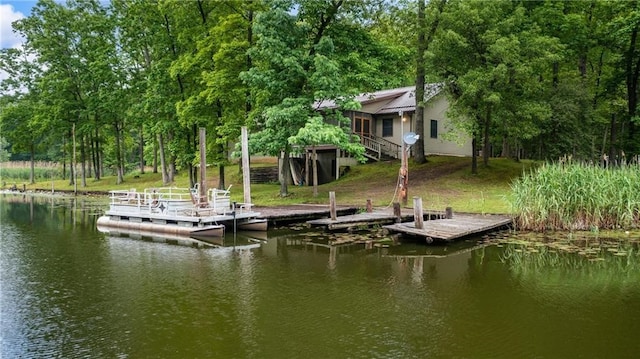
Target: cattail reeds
column 575, row 196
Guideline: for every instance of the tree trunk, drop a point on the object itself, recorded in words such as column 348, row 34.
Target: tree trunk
column 221, row 167
column 221, row 184
column 155, row 156
column 172, row 169
column 83, row 163
column 64, row 157
column 32, row 172
column 97, row 168
column 118, row 149
column 193, row 170
column 418, row 154
column 485, row 144
column 285, row 174
column 474, row 157
column 163, row 162
column 314, row 167
column 193, row 174
column 141, row 149
column 612, row 138
column 72, row 167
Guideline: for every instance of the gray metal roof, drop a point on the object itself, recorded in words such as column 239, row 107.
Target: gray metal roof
column 390, row 101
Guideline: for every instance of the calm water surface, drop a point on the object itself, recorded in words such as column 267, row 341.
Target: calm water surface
column 70, row 291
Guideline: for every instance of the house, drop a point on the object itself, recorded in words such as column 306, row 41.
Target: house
column 381, row 123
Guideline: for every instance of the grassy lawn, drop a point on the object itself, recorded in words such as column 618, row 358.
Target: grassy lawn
column 441, row 182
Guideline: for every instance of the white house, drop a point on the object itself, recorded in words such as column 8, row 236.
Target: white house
column 381, row 123
column 387, row 115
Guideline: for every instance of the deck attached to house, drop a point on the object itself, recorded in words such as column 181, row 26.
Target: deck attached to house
column 461, row 225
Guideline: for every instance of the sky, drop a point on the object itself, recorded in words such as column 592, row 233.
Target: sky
column 10, row 11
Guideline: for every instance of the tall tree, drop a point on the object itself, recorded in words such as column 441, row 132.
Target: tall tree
column 491, row 56
column 425, row 36
column 292, row 55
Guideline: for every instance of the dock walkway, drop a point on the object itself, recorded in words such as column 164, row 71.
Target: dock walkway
column 354, row 220
column 461, row 225
column 368, row 219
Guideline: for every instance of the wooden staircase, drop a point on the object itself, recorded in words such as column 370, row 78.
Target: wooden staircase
column 379, row 149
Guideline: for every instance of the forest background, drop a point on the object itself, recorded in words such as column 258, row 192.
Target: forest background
column 125, row 85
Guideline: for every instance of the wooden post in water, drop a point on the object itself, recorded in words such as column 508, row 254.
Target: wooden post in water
column 332, row 206
column 246, row 179
column 448, row 213
column 417, row 212
column 369, row 206
column 397, row 212
column 203, row 166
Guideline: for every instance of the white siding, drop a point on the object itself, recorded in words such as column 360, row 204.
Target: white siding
column 436, row 109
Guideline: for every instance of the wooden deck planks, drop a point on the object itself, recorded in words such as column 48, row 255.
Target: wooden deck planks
column 353, row 220
column 461, row 225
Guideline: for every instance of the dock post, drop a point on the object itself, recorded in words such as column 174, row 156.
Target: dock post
column 369, row 206
column 397, row 212
column 202, row 195
column 332, row 205
column 448, row 213
column 246, row 176
column 417, row 212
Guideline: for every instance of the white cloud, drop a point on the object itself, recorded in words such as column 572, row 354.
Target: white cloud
column 8, row 38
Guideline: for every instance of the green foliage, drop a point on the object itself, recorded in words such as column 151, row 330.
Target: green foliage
column 4, row 153
column 538, row 79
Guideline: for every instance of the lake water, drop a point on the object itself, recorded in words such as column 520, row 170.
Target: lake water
column 70, row 291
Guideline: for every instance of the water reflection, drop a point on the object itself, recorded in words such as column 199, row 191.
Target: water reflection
column 68, row 290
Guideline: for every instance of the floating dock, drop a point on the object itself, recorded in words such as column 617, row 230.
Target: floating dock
column 357, row 220
column 447, row 229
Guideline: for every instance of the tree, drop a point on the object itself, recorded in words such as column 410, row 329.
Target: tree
column 319, row 51
column 491, row 56
column 425, row 36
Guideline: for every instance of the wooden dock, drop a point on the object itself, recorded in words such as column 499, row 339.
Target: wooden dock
column 369, row 219
column 461, row 225
column 354, row 221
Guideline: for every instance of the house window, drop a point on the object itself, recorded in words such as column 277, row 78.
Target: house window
column 434, row 128
column 387, row 127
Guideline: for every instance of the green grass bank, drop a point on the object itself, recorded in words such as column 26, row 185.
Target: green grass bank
column 441, row 182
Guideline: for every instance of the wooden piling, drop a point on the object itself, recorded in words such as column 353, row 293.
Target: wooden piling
column 332, row 206
column 397, row 212
column 203, row 166
column 246, row 177
column 417, row 212
column 448, row 213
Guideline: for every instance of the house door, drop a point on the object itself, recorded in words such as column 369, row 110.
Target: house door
column 362, row 126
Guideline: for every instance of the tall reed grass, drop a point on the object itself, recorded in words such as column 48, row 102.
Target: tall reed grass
column 577, row 196
column 16, row 171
